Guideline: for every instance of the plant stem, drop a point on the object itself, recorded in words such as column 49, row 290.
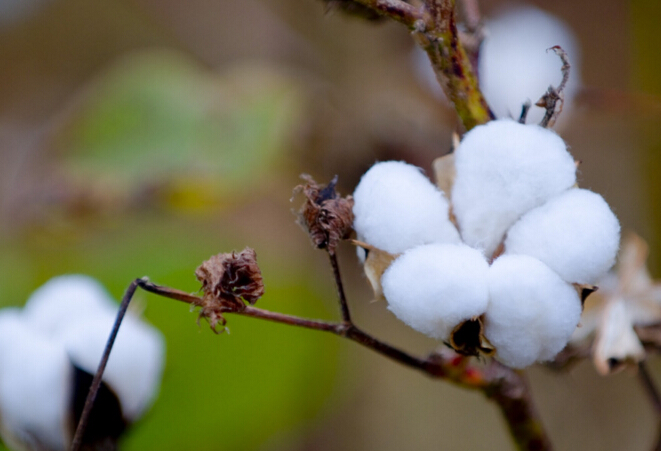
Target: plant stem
column 505, row 386
column 77, row 440
column 344, row 306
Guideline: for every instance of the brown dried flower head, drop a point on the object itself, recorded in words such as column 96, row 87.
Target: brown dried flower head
column 326, row 216
column 226, row 280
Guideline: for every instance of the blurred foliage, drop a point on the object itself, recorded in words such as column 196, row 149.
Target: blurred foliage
column 158, row 118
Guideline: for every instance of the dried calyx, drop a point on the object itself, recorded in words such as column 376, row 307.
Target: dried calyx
column 228, row 280
column 327, row 217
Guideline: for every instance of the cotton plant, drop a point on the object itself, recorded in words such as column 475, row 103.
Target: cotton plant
column 49, row 351
column 505, row 240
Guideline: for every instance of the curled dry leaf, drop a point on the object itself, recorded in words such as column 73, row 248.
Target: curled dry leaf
column 326, row 216
column 226, row 279
column 376, row 262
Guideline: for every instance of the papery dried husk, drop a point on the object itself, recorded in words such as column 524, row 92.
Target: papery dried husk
column 376, row 263
column 616, row 345
column 468, row 339
column 445, row 173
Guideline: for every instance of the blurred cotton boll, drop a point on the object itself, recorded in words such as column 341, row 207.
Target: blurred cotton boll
column 514, row 65
column 49, row 352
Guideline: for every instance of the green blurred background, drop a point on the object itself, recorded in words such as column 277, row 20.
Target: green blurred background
column 139, row 137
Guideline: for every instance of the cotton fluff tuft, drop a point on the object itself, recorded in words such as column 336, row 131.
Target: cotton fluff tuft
column 35, row 386
column 532, row 312
column 514, row 65
column 503, row 170
column 576, row 234
column 135, row 365
column 76, row 312
column 434, row 287
column 66, row 300
column 396, row 207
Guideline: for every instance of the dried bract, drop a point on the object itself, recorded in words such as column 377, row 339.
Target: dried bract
column 226, row 279
column 326, row 215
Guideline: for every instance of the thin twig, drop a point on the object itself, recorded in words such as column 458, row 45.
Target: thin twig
column 344, row 306
column 655, row 398
column 505, row 386
column 554, row 98
column 77, row 441
column 650, row 388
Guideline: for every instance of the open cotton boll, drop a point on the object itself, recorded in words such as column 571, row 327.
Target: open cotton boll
column 434, row 287
column 66, row 300
column 514, row 65
column 35, row 386
column 136, row 362
column 532, row 312
column 504, row 169
column 396, row 207
column 576, row 234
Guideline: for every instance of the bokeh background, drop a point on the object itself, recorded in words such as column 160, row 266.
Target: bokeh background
column 139, row 137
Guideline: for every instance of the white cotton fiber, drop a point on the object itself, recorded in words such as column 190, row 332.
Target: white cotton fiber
column 531, row 313
column 136, row 363
column 503, row 170
column 514, row 65
column 66, row 300
column 576, row 234
column 434, row 287
column 396, row 207
column 35, row 386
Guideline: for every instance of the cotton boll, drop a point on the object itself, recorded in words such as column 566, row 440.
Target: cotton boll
column 396, row 207
column 576, row 234
column 35, row 387
column 434, row 287
column 136, row 362
column 66, row 300
column 531, row 313
column 514, row 65
column 504, row 169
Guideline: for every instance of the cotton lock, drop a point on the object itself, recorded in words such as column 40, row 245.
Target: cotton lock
column 504, row 169
column 435, row 287
column 396, row 207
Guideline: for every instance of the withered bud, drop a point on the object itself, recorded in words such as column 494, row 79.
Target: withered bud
column 326, row 215
column 226, row 279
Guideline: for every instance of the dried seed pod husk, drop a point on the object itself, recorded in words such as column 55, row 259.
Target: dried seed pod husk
column 468, row 339
column 327, row 217
column 376, row 263
column 444, row 173
column 226, row 280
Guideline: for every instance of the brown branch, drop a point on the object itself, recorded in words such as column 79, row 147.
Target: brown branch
column 344, row 306
column 505, row 386
column 451, row 63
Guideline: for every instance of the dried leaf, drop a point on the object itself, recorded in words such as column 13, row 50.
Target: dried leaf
column 326, row 216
